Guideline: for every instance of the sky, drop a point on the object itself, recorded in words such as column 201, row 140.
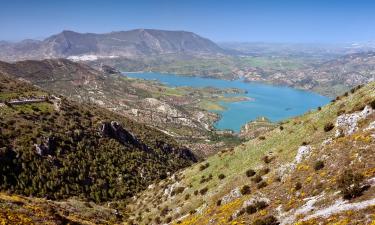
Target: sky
column 302, row 21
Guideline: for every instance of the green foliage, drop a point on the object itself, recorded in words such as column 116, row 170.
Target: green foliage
column 258, row 178
column 328, row 127
column 262, row 185
column 319, row 165
column 245, row 190
column 203, row 191
column 268, row 220
column 372, row 104
column 204, row 166
column 298, row 186
column 350, row 184
column 221, row 176
column 250, row 172
column 264, row 171
column 77, row 159
column 177, row 190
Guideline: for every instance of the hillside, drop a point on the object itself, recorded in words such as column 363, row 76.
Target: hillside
column 90, row 46
column 182, row 112
column 330, row 77
column 55, row 148
column 317, row 168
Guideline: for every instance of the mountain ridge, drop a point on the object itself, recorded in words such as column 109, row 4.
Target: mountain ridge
column 132, row 43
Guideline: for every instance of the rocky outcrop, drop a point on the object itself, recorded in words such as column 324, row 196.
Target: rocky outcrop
column 347, row 124
column 114, row 130
column 109, row 70
column 47, row 147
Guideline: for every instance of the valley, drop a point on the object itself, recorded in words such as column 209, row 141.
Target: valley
column 151, row 126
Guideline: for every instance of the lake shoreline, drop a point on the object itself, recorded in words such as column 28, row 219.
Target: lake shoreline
column 260, row 99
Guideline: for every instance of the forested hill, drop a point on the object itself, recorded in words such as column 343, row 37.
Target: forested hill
column 55, row 148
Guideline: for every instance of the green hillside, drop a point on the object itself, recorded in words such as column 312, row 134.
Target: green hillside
column 55, row 148
column 298, row 171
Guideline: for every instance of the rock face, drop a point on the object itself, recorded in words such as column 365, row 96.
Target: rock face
column 116, row 131
column 232, row 195
column 47, row 147
column 90, row 46
column 347, row 124
column 109, row 70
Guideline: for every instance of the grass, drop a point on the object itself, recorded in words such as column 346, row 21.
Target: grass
column 283, row 143
column 211, row 106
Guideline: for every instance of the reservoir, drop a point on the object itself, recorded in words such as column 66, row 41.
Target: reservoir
column 274, row 102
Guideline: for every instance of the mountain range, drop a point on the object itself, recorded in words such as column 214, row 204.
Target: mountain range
column 89, row 46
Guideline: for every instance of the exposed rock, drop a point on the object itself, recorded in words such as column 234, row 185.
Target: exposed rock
column 116, row 131
column 109, row 69
column 347, row 124
column 327, row 141
column 371, row 126
column 233, row 194
column 302, row 153
column 47, row 147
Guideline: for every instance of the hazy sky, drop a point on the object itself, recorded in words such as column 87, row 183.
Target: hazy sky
column 219, row 20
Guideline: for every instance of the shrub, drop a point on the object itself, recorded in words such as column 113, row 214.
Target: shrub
column 259, row 205
column 319, row 108
column 268, row 220
column 262, row 185
column 221, row 176
column 298, row 186
column 164, row 211
column 204, row 166
column 168, row 219
column 257, row 179
column 250, row 173
column 193, row 211
column 266, row 159
column 281, row 128
column 245, row 190
column 350, row 184
column 187, row 196
column 329, row 126
column 203, row 191
column 196, row 192
column 262, row 138
column 264, row 171
column 372, row 104
column 157, row 220
column 250, row 209
column 177, row 191
column 319, row 165
column 218, row 203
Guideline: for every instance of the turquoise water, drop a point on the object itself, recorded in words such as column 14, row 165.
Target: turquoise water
column 274, row 102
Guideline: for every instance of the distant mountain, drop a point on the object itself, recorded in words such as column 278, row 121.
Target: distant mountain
column 89, row 46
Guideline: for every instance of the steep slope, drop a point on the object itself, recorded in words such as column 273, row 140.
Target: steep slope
column 312, row 169
column 88, row 46
column 55, row 148
column 173, row 110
